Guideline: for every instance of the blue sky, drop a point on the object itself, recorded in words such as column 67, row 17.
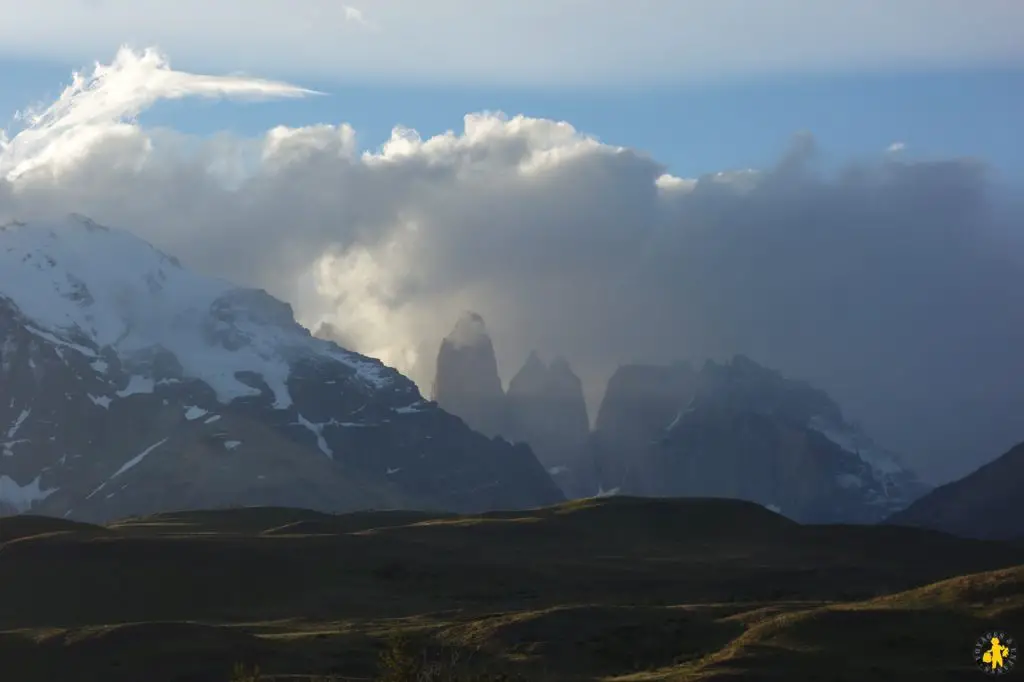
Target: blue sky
column 693, row 128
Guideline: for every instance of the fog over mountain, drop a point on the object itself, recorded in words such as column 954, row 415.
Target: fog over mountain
column 894, row 283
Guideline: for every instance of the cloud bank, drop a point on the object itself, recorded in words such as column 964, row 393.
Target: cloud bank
column 524, row 42
column 895, row 285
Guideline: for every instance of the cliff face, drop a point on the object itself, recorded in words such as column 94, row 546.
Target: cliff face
column 544, row 406
column 738, row 429
column 640, row 403
column 547, row 410
column 466, row 382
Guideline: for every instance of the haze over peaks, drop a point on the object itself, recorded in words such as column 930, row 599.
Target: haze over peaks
column 868, row 282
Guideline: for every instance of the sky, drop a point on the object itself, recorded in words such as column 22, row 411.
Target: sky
column 830, row 188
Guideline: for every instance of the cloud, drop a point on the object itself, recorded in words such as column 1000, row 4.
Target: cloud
column 353, row 14
column 894, row 285
column 525, row 42
column 91, row 109
column 896, row 147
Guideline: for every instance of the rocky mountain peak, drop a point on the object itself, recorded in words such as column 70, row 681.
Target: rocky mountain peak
column 744, row 385
column 469, row 331
column 645, row 398
column 466, row 382
column 547, row 410
column 739, row 429
column 532, row 377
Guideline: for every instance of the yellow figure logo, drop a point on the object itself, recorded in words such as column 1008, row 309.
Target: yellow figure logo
column 996, row 656
column 995, row 653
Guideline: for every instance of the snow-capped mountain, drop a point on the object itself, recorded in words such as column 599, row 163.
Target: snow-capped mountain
column 129, row 384
column 738, row 429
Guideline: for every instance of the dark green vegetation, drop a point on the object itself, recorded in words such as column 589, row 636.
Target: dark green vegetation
column 617, row 588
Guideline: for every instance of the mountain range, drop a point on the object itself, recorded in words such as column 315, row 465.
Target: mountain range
column 733, row 429
column 130, row 385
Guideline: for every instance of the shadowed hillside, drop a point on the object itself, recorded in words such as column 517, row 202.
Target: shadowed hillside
column 649, row 589
column 984, row 504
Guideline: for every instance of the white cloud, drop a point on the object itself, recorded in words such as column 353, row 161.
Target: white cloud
column 353, row 14
column 896, row 147
column 892, row 285
column 91, row 109
column 551, row 42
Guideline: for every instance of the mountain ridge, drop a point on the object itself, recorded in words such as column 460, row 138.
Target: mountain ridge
column 126, row 376
column 743, row 430
column 985, row 504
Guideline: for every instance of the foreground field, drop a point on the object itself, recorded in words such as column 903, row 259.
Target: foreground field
column 616, row 588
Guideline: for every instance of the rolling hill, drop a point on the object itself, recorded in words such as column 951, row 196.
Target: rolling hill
column 599, row 589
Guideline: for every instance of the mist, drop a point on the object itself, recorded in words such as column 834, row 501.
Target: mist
column 893, row 283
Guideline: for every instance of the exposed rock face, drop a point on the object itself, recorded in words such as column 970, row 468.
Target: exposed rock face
column 986, row 504
column 746, row 432
column 129, row 385
column 548, row 411
column 641, row 401
column 544, row 406
column 467, row 382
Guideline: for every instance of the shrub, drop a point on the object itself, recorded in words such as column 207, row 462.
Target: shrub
column 402, row 660
column 243, row 673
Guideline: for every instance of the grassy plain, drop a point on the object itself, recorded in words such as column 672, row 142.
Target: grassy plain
column 607, row 589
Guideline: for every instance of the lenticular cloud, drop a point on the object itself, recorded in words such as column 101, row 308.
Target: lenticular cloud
column 95, row 106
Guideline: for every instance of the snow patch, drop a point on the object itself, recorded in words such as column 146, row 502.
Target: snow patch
column 8, row 446
column 318, row 431
column 417, row 406
column 232, row 444
column 137, row 458
column 372, row 373
column 115, row 290
column 773, row 507
column 554, row 471
column 193, row 413
column 212, row 419
column 393, row 471
column 22, row 497
column 125, row 467
column 137, row 385
column 102, row 401
column 601, row 492
column 11, row 432
column 60, row 343
column 856, row 443
column 679, row 415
